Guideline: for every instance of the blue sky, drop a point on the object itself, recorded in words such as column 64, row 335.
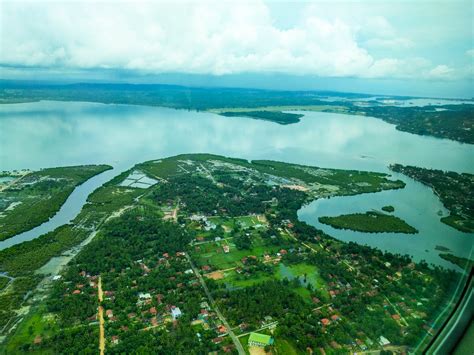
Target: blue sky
column 419, row 47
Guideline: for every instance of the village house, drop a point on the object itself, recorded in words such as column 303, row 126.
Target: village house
column 175, row 312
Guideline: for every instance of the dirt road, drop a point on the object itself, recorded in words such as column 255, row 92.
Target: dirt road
column 101, row 318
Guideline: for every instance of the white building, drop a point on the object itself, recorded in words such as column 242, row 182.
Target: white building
column 176, row 313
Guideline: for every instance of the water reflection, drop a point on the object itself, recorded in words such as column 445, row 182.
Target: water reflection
column 415, row 204
column 46, row 134
column 61, row 133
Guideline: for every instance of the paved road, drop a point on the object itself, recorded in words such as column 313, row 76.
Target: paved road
column 269, row 325
column 234, row 338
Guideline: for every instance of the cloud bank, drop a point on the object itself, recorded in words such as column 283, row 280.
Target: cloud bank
column 206, row 37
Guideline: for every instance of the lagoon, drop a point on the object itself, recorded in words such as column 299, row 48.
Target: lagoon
column 48, row 133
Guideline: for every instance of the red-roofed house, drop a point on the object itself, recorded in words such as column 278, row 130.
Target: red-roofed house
column 222, row 329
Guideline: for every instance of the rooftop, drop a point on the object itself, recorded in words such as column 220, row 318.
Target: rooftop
column 260, row 338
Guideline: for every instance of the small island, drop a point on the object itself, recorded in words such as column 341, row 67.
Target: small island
column 369, row 222
column 274, row 116
column 388, row 208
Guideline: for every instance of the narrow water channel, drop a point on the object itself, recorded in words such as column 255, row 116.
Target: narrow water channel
column 416, row 204
column 68, row 211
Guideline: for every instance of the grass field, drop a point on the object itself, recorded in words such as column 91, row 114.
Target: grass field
column 213, row 254
column 284, row 347
column 35, row 323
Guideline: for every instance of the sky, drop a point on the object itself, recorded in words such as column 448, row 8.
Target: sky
column 393, row 47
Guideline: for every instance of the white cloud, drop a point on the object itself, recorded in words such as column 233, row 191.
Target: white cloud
column 199, row 37
column 441, row 72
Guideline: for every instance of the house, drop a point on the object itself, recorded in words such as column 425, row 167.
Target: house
column 76, row 292
column 115, row 339
column 144, row 296
column 226, row 248
column 176, row 312
column 109, row 313
column 153, row 310
column 260, row 340
column 217, row 340
column 222, row 329
column 383, row 341
column 395, row 317
column 325, row 321
column 335, row 317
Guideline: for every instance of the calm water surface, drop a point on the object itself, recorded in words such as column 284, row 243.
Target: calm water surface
column 46, row 134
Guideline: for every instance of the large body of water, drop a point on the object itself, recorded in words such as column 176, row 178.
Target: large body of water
column 45, row 134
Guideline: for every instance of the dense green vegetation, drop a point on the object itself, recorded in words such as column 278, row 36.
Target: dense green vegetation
column 15, row 295
column 389, row 209
column 454, row 190
column 129, row 252
column 274, row 116
column 3, row 282
column 455, row 122
column 24, row 258
column 463, row 263
column 232, row 225
column 36, row 197
column 370, row 222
